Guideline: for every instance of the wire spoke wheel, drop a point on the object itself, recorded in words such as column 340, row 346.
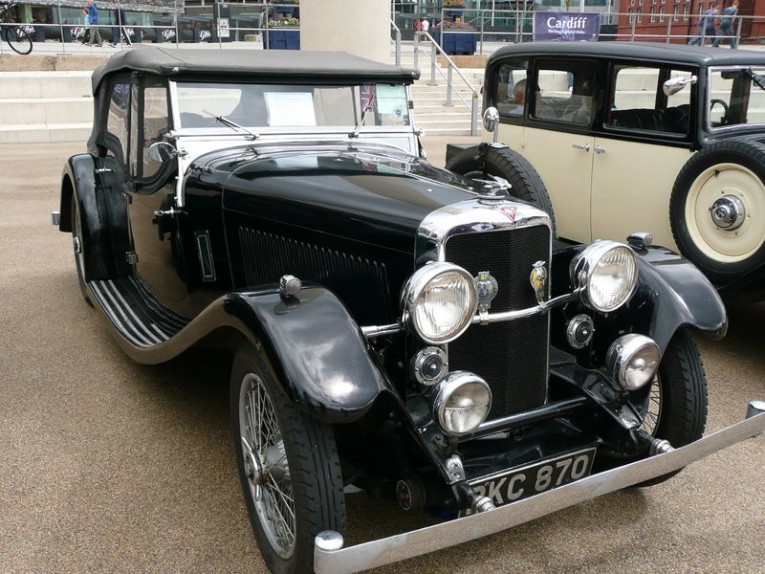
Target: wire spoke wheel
column 653, row 412
column 269, row 479
column 288, row 466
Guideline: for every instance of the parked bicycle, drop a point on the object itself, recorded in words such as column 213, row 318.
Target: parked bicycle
column 14, row 33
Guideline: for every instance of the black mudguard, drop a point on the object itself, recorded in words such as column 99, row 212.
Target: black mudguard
column 78, row 178
column 671, row 293
column 680, row 295
column 317, row 350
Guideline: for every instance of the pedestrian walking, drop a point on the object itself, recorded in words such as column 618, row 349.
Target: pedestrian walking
column 118, row 31
column 726, row 26
column 95, row 35
column 707, row 27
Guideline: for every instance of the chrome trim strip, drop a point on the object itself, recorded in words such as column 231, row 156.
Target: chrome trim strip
column 377, row 331
column 478, row 215
column 418, row 542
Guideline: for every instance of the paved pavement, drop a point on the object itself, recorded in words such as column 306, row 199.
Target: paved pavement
column 109, row 466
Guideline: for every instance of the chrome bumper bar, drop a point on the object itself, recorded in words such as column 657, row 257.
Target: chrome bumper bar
column 331, row 558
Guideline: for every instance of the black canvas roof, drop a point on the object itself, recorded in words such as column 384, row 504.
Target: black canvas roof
column 655, row 52
column 253, row 64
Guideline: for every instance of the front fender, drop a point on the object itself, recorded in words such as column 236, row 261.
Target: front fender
column 317, row 350
column 679, row 295
column 671, row 293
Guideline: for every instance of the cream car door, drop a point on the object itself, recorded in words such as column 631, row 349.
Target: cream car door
column 643, row 144
column 631, row 185
column 558, row 141
column 564, row 162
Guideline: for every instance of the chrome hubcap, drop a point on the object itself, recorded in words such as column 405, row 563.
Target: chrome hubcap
column 728, row 212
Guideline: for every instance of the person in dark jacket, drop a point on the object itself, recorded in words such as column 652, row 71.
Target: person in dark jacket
column 726, row 26
column 119, row 32
column 707, row 27
column 95, row 35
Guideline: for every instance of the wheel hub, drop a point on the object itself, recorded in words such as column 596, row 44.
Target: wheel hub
column 728, row 213
column 253, row 467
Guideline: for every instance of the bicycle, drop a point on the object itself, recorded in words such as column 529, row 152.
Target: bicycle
column 14, row 33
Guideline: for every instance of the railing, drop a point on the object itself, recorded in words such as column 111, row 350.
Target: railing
column 436, row 49
column 491, row 26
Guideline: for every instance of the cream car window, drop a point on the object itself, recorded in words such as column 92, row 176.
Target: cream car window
column 638, row 102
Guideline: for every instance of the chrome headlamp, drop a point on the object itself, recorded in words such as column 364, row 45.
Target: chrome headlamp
column 439, row 302
column 606, row 273
column 462, row 403
column 632, row 361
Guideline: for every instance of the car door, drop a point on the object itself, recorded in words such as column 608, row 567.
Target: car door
column 558, row 141
column 643, row 143
column 158, row 251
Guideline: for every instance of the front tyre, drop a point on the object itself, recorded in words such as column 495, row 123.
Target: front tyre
column 288, row 467
column 677, row 405
column 717, row 209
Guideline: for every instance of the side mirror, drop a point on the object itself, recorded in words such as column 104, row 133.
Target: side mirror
column 491, row 121
column 675, row 85
column 161, row 152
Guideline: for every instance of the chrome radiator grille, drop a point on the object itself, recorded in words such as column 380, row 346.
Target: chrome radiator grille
column 512, row 356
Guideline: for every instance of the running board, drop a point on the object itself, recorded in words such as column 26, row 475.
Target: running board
column 135, row 312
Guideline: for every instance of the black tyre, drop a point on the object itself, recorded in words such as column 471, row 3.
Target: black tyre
column 477, row 163
column 18, row 40
column 79, row 247
column 717, row 209
column 288, row 467
column 677, row 407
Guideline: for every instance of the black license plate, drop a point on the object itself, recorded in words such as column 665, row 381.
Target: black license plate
column 511, row 485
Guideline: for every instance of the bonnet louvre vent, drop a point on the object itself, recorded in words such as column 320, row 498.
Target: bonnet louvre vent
column 361, row 283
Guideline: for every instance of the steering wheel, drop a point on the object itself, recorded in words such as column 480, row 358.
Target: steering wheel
column 723, row 104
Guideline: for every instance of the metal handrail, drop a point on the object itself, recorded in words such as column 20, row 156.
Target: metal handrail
column 436, row 49
column 397, row 41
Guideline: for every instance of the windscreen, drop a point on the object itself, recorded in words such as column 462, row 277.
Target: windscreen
column 293, row 107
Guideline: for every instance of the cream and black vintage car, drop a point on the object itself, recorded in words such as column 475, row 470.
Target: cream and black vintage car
column 659, row 138
column 393, row 327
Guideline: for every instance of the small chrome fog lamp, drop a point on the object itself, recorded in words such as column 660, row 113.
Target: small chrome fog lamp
column 462, row 403
column 579, row 331
column 430, row 365
column 632, row 361
column 606, row 273
column 439, row 302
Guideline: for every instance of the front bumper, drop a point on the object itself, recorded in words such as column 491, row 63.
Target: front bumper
column 331, row 558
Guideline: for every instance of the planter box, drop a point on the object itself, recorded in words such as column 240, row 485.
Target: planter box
column 457, row 42
column 283, row 39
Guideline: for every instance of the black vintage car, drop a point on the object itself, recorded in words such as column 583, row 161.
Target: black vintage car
column 663, row 138
column 394, row 327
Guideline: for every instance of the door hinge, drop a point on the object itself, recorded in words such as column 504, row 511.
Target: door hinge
column 131, row 257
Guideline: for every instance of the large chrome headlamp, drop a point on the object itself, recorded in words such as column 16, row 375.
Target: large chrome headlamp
column 632, row 360
column 463, row 401
column 439, row 302
column 606, row 272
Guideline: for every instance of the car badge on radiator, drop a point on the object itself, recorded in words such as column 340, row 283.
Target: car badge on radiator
column 538, row 280
column 486, row 288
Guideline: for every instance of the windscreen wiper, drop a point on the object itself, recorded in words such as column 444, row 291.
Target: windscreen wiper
column 232, row 124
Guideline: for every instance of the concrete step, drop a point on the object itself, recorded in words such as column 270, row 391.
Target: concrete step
column 16, row 85
column 43, row 133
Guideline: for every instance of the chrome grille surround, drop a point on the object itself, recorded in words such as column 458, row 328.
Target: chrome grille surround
column 513, row 356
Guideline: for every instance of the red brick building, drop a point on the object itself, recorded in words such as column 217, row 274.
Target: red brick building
column 656, row 20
